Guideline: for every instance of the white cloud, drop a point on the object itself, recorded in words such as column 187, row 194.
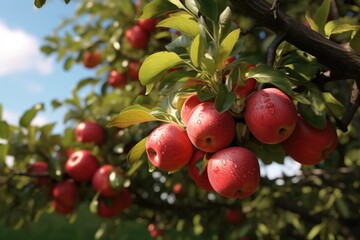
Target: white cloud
column 19, row 51
column 13, row 118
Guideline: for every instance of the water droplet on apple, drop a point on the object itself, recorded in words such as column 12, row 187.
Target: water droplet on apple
column 198, row 122
column 158, row 143
column 216, row 169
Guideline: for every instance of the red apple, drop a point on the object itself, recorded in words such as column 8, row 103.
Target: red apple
column 149, row 24
column 40, row 167
column 116, row 79
column 133, row 69
column 308, row 145
column 65, row 193
column 62, row 209
column 270, row 115
column 210, row 130
column 168, row 147
column 242, row 91
column 201, row 180
column 234, row 172
column 91, row 59
column 154, row 231
column 233, row 216
column 137, row 37
column 81, row 165
column 101, row 181
column 89, row 132
column 177, row 188
column 187, row 107
column 113, row 206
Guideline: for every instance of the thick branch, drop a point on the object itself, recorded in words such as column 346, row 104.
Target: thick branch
column 339, row 60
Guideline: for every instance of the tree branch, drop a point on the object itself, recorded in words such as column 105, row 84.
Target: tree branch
column 342, row 63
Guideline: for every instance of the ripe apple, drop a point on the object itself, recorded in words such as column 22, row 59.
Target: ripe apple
column 233, row 216
column 133, row 69
column 91, row 59
column 187, row 107
column 40, row 167
column 87, row 132
column 308, row 145
column 270, row 115
column 201, row 180
column 149, row 24
column 154, row 231
column 210, row 130
column 113, row 206
column 234, row 172
column 101, row 181
column 65, row 193
column 168, row 147
column 177, row 188
column 60, row 208
column 242, row 91
column 116, row 79
column 137, row 37
column 81, row 165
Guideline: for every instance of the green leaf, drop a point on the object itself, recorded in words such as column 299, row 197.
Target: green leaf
column 204, row 96
column 266, row 74
column 156, row 65
column 266, row 152
column 29, row 115
column 355, row 42
column 132, row 115
column 315, row 231
column 68, row 63
column 177, row 3
column 321, row 16
column 224, row 99
column 39, row 3
column 197, row 50
column 208, row 65
column 338, row 26
column 3, row 152
column 85, row 82
column 4, row 130
column 182, row 22
column 225, row 21
column 66, row 1
column 136, row 152
column 311, row 22
column 301, row 99
column 335, row 107
column 225, row 48
column 156, row 8
column 191, row 5
column 1, row 111
column 317, row 120
column 47, row 49
column 208, row 8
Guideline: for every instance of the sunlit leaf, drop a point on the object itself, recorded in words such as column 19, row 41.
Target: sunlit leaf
column 132, row 116
column 197, row 50
column 156, row 65
column 321, row 15
column 182, row 22
column 334, row 106
column 29, row 115
column 156, row 8
column 315, row 230
column 136, row 152
column 226, row 47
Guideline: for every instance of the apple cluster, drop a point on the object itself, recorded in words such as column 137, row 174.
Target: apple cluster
column 83, row 168
column 207, row 144
column 138, row 35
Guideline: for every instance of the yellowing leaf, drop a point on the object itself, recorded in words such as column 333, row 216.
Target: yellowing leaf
column 132, row 116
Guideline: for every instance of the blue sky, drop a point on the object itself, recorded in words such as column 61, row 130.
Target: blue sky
column 28, row 77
